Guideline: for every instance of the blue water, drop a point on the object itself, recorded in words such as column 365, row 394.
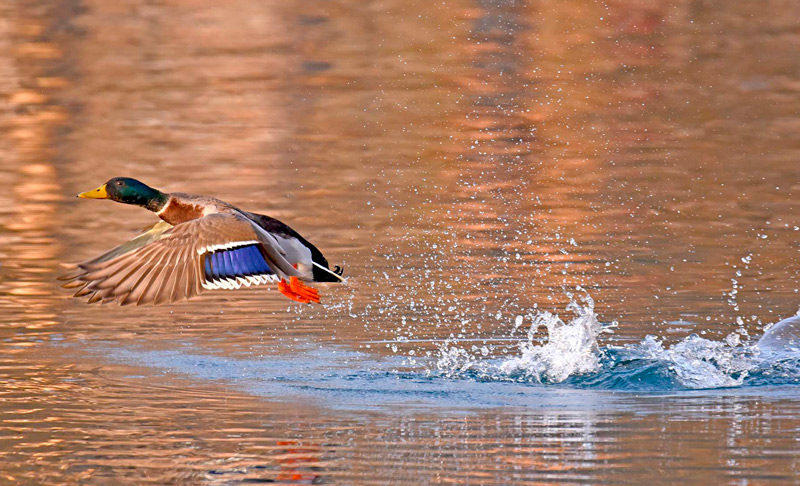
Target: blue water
column 623, row 369
column 341, row 378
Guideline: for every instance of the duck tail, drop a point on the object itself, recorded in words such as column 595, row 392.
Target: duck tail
column 334, row 275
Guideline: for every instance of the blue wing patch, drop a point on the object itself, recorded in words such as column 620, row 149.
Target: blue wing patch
column 233, row 267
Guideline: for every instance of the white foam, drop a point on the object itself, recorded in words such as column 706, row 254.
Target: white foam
column 701, row 363
column 570, row 348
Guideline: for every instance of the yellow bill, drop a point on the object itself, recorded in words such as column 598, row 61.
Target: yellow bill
column 99, row 193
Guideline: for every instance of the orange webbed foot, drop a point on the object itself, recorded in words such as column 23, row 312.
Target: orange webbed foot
column 298, row 291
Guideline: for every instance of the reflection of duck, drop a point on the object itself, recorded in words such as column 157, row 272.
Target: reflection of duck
column 202, row 242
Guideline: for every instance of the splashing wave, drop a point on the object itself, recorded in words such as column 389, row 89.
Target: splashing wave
column 568, row 367
column 571, row 355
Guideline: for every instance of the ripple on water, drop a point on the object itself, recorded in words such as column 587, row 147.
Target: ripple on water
column 562, row 370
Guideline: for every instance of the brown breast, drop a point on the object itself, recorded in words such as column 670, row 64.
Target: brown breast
column 177, row 211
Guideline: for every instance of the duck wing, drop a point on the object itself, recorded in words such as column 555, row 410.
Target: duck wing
column 177, row 262
column 152, row 234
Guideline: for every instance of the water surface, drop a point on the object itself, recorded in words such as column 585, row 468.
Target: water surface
column 622, row 176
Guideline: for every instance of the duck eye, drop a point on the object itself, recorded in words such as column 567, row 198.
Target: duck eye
column 119, row 183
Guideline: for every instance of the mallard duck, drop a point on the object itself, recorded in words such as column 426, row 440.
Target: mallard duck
column 201, row 243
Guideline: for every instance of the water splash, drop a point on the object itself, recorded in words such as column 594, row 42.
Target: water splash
column 568, row 364
column 571, row 355
column 696, row 362
column 570, row 348
column 781, row 338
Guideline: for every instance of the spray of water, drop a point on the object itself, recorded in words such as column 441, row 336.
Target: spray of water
column 570, row 348
column 571, row 354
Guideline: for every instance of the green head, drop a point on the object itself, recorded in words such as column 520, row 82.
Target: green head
column 129, row 191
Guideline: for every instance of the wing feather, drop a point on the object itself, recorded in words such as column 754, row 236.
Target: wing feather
column 165, row 264
column 177, row 284
column 131, row 291
column 152, row 282
column 154, row 233
column 180, row 276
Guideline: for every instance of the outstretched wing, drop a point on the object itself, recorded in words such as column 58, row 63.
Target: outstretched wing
column 169, row 264
column 154, row 233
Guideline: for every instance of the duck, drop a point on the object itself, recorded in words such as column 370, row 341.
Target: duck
column 200, row 243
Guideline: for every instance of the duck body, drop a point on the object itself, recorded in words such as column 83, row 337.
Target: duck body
column 182, row 208
column 201, row 243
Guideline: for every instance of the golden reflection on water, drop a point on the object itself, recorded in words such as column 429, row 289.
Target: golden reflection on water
column 461, row 159
column 32, row 190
